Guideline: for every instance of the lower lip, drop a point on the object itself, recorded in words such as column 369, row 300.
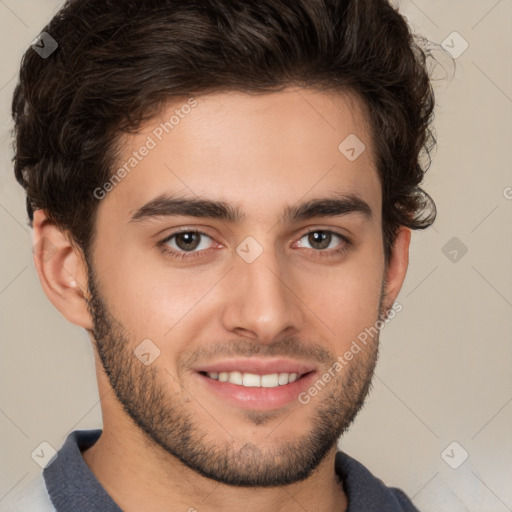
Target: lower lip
column 258, row 397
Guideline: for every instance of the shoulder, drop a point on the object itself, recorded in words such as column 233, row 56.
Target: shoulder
column 367, row 493
column 33, row 497
column 402, row 499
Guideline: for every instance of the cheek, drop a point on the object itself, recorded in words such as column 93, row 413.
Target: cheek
column 153, row 300
column 346, row 298
column 347, row 310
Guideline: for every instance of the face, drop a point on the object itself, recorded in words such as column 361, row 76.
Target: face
column 233, row 264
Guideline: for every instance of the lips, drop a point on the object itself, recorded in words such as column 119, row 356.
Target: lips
column 258, row 366
column 259, row 384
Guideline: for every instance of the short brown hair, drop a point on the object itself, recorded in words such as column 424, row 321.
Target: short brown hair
column 118, row 62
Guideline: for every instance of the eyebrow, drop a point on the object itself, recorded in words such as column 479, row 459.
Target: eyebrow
column 165, row 205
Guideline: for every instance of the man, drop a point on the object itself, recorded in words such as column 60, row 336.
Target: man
column 222, row 194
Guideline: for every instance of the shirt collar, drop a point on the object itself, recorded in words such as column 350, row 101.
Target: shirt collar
column 72, row 485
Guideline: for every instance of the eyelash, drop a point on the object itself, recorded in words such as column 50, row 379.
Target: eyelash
column 322, row 253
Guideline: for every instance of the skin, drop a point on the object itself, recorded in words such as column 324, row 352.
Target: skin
column 260, row 153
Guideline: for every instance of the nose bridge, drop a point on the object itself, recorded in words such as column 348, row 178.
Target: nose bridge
column 263, row 301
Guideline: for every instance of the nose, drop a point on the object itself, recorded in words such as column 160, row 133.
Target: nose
column 262, row 299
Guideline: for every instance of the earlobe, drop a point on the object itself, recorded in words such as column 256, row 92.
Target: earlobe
column 397, row 267
column 61, row 269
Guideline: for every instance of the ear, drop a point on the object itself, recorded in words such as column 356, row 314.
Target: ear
column 62, row 270
column 397, row 266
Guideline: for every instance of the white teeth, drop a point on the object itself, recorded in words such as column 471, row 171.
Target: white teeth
column 283, row 378
column 271, row 380
column 235, row 377
column 251, row 380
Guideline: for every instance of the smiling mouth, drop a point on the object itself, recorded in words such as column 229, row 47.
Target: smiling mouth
column 252, row 380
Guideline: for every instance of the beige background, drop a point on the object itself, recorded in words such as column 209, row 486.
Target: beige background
column 445, row 369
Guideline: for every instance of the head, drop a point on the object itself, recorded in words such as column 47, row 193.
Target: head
column 286, row 142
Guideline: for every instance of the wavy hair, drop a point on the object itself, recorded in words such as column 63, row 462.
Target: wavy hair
column 119, row 61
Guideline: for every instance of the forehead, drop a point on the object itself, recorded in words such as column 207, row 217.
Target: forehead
column 252, row 150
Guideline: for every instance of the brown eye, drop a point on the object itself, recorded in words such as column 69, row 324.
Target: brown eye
column 320, row 239
column 188, row 241
column 324, row 243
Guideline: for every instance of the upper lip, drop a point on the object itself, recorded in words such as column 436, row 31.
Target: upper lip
column 258, row 366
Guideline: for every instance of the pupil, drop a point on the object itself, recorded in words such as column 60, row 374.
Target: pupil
column 320, row 237
column 188, row 240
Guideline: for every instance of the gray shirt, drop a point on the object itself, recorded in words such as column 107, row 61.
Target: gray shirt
column 70, row 486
